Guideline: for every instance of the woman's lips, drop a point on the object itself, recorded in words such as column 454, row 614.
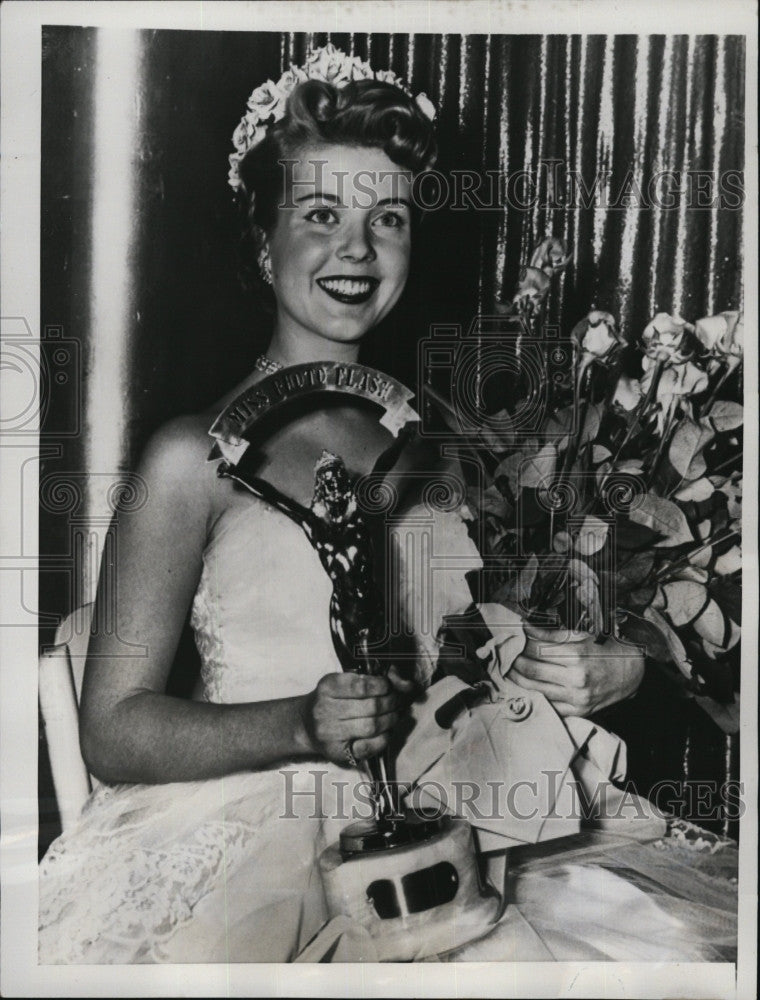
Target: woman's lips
column 353, row 291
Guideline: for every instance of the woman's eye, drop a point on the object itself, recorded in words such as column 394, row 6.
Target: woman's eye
column 322, row 216
column 392, row 220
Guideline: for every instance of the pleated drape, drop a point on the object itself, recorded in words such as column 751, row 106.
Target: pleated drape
column 615, row 111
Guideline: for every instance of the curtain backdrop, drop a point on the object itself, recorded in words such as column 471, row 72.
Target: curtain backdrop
column 180, row 330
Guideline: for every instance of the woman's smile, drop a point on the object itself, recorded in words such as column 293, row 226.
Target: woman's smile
column 348, row 289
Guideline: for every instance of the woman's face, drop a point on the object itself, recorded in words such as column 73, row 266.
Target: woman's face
column 340, row 246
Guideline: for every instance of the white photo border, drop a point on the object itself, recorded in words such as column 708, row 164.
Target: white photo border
column 20, row 38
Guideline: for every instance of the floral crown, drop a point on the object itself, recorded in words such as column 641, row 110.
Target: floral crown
column 268, row 103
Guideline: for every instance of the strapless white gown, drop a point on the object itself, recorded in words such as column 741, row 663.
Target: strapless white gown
column 209, row 871
column 213, row 871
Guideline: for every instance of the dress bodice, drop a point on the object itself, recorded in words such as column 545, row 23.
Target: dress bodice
column 260, row 612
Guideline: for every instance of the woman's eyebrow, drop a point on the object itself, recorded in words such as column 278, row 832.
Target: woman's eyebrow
column 313, row 196
column 395, row 201
column 323, row 196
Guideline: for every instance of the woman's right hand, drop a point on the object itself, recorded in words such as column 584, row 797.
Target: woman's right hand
column 354, row 712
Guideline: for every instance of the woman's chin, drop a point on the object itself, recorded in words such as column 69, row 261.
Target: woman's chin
column 347, row 332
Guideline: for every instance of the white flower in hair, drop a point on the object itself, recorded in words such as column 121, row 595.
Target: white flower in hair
column 268, row 103
column 425, row 105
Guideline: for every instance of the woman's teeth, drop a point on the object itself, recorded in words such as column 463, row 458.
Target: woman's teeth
column 348, row 289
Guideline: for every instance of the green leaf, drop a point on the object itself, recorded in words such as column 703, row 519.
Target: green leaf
column 647, row 635
column 634, row 570
column 686, row 600
column 509, row 468
column 591, row 536
column 538, row 468
column 696, row 573
column 729, row 562
column 712, row 626
column 602, row 471
column 527, row 579
column 734, row 635
column 599, row 453
column 725, row 415
column 642, row 597
column 497, row 432
column 689, row 439
column 579, row 571
column 697, row 467
column 729, row 597
column 631, row 536
column 561, row 424
column 664, row 517
column 675, row 646
column 489, row 501
column 591, row 423
column 700, row 489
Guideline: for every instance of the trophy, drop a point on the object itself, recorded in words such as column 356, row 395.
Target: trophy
column 410, row 880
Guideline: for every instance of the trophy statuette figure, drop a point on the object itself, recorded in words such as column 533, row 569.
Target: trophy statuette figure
column 411, row 881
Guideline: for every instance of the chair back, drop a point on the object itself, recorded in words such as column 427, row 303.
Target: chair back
column 61, row 671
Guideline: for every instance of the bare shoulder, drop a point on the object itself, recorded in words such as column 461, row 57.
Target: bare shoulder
column 180, row 446
column 174, row 462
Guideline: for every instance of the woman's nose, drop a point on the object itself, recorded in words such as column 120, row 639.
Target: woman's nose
column 357, row 245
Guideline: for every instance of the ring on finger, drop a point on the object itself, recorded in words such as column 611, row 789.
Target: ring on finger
column 349, row 752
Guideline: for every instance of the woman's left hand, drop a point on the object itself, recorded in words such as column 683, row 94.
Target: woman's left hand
column 579, row 677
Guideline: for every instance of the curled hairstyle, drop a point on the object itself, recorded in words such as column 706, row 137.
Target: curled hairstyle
column 362, row 113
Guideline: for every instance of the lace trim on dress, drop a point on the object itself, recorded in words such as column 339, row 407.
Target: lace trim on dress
column 208, row 641
column 138, row 898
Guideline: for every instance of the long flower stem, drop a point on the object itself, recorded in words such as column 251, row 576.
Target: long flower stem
column 584, row 384
column 662, row 574
column 667, row 433
column 635, row 424
column 712, row 397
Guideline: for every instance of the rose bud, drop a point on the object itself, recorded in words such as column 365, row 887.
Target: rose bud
column 722, row 334
column 598, row 335
column 627, row 393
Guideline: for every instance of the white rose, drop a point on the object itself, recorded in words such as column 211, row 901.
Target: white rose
column 360, row 70
column 290, row 80
column 247, row 135
column 722, row 334
column 264, row 97
column 426, row 106
column 240, row 136
column 233, row 177
column 597, row 334
column 663, row 337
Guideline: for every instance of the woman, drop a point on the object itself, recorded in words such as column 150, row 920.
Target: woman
column 183, row 853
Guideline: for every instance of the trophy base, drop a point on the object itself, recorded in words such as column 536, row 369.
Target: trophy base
column 415, row 887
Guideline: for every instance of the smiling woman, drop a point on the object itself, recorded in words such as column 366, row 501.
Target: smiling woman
column 192, row 799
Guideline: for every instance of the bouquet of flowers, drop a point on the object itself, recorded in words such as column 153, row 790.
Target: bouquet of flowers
column 619, row 512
